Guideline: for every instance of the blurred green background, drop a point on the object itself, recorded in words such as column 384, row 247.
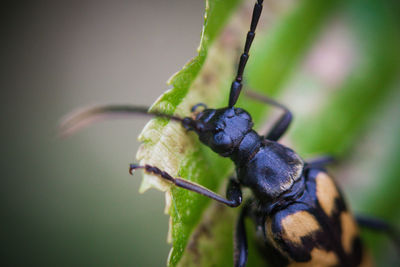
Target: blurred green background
column 72, row 202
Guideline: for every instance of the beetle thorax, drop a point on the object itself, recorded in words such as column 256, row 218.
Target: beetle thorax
column 272, row 170
column 248, row 147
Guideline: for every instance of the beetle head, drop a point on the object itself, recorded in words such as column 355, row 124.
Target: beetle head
column 222, row 129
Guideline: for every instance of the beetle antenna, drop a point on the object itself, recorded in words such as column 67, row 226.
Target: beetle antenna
column 82, row 118
column 237, row 84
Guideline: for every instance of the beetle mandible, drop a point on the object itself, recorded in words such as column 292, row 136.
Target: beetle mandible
column 295, row 204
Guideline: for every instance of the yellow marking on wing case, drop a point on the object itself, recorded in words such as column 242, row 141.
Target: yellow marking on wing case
column 270, row 236
column 319, row 258
column 349, row 231
column 367, row 260
column 298, row 225
column 326, row 193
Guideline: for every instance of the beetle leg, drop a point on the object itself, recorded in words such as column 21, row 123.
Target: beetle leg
column 240, row 239
column 283, row 122
column 233, row 192
column 379, row 225
column 265, row 99
column 320, row 162
column 280, row 127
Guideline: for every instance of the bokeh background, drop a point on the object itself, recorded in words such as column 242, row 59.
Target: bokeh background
column 71, row 202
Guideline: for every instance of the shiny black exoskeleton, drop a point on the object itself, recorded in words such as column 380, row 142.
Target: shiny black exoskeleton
column 297, row 223
column 229, row 133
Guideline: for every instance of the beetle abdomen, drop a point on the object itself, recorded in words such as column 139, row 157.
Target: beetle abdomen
column 315, row 229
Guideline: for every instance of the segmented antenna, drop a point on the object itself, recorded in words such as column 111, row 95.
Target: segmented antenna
column 236, row 86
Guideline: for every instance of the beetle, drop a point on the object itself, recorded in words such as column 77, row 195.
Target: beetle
column 296, row 206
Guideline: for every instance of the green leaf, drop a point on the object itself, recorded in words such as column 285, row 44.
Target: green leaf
column 169, row 147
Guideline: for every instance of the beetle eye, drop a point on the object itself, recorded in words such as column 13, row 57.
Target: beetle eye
column 219, row 128
column 222, row 140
